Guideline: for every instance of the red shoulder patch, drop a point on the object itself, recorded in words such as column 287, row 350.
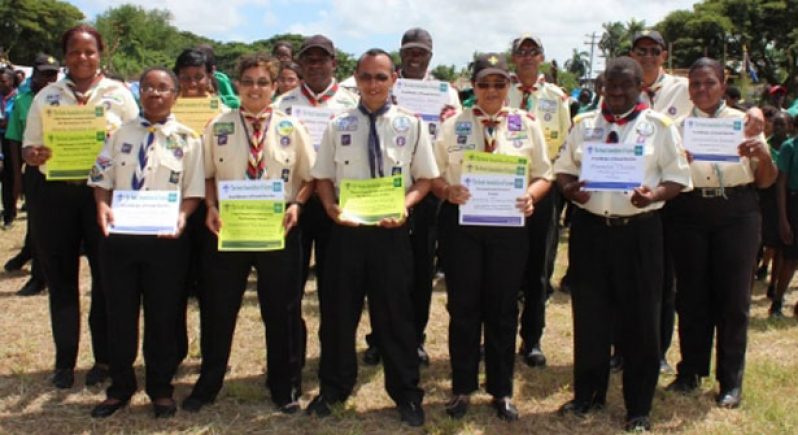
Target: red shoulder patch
column 531, row 116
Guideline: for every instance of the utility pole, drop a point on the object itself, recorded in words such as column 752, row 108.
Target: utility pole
column 592, row 43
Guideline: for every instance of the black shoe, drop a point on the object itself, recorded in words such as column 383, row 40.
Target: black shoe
column 616, row 363
column 505, row 409
column 167, row 410
column 107, row 408
column 15, row 263
column 457, row 407
column 97, row 375
column 665, row 368
column 412, row 413
column 761, row 273
column 775, row 309
column 534, row 357
column 638, row 424
column 288, row 404
column 319, row 406
column 580, row 408
column 771, row 291
column 423, row 358
column 730, row 399
column 31, row 288
column 194, row 403
column 63, row 378
column 372, row 356
column 684, row 384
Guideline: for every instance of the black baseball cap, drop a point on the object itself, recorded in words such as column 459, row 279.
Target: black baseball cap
column 317, row 41
column 649, row 34
column 417, row 38
column 45, row 63
column 489, row 63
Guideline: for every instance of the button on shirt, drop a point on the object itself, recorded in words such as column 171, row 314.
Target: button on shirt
column 404, row 143
column 670, row 96
column 174, row 159
column 664, row 157
column 113, row 96
column 705, row 174
column 516, row 134
column 288, row 150
column 549, row 104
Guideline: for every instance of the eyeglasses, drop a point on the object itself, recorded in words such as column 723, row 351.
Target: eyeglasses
column 160, row 90
column 527, row 52
column 653, row 51
column 250, row 83
column 495, row 85
column 366, row 77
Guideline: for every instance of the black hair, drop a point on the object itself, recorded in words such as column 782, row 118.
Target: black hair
column 293, row 66
column 714, row 65
column 285, row 44
column 623, row 64
column 374, row 52
column 192, row 57
column 169, row 72
column 207, row 50
column 252, row 60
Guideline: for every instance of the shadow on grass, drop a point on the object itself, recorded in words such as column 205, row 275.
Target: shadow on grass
column 762, row 324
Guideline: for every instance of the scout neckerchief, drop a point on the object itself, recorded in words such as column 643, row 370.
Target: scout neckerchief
column 83, row 97
column 621, row 119
column 137, row 182
column 715, row 167
column 652, row 90
column 375, row 152
column 490, row 125
column 317, row 100
column 256, row 164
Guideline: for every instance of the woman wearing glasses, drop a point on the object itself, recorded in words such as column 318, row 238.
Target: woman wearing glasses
column 153, row 152
column 484, row 264
column 255, row 142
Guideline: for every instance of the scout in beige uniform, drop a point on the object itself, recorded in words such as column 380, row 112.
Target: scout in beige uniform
column 615, row 248
column 549, row 105
column 375, row 140
column 153, row 152
column 484, row 264
column 714, row 234
column 66, row 210
column 252, row 143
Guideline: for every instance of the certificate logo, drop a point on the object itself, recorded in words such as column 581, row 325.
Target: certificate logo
column 738, row 125
column 444, row 87
column 214, row 104
column 277, row 187
column 99, row 112
column 519, row 183
column 397, row 182
column 278, row 208
column 172, row 197
column 638, row 150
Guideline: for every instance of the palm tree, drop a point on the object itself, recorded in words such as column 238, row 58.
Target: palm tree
column 578, row 64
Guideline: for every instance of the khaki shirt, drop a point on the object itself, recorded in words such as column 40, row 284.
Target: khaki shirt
column 113, row 96
column 516, row 135
column 549, row 104
column 705, row 174
column 664, row 157
column 342, row 100
column 671, row 96
column 404, row 142
column 288, row 150
column 174, row 160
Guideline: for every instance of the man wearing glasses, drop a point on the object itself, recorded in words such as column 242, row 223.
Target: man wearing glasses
column 663, row 92
column 549, row 105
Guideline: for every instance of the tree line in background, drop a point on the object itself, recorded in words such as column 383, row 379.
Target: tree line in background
column 766, row 31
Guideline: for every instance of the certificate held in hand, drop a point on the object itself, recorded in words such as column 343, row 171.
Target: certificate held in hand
column 252, row 213
column 369, row 201
column 713, row 139
column 145, row 212
column 75, row 134
column 612, row 166
column 495, row 182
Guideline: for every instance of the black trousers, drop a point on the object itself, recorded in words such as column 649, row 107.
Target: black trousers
column 484, row 270
column 316, row 227
column 616, row 273
column 9, row 202
column 668, row 308
column 280, row 298
column 148, row 271
column 65, row 220
column 377, row 263
column 197, row 237
column 32, row 180
column 714, row 243
column 542, row 230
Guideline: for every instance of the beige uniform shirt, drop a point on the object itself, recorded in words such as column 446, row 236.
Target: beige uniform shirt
column 671, row 96
column 405, row 146
column 664, row 158
column 549, row 104
column 174, row 159
column 517, row 135
column 342, row 100
column 288, row 150
column 113, row 96
column 705, row 174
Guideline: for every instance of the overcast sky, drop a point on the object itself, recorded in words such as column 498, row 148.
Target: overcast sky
column 458, row 27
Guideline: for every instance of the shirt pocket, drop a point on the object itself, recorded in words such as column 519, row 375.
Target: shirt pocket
column 349, row 163
column 398, row 158
column 169, row 173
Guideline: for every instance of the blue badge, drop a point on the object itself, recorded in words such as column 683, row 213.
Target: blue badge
column 514, row 123
column 285, row 141
column 400, row 141
column 401, row 124
column 461, row 139
column 221, row 139
column 53, row 99
column 463, row 128
column 397, row 170
column 346, row 139
column 285, row 174
column 284, row 128
column 347, row 123
column 126, row 148
column 174, row 177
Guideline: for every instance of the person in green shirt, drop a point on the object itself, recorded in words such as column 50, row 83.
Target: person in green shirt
column 787, row 202
column 224, row 86
column 45, row 71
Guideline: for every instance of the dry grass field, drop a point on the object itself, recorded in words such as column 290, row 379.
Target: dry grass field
column 28, row 404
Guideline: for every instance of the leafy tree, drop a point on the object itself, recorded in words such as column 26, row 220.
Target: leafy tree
column 578, row 64
column 446, row 73
column 29, row 27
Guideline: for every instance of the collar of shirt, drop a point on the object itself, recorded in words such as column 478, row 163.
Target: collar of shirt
column 698, row 113
column 427, row 76
column 320, row 94
column 166, row 128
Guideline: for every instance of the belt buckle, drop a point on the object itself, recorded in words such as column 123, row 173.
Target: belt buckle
column 711, row 192
column 618, row 221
